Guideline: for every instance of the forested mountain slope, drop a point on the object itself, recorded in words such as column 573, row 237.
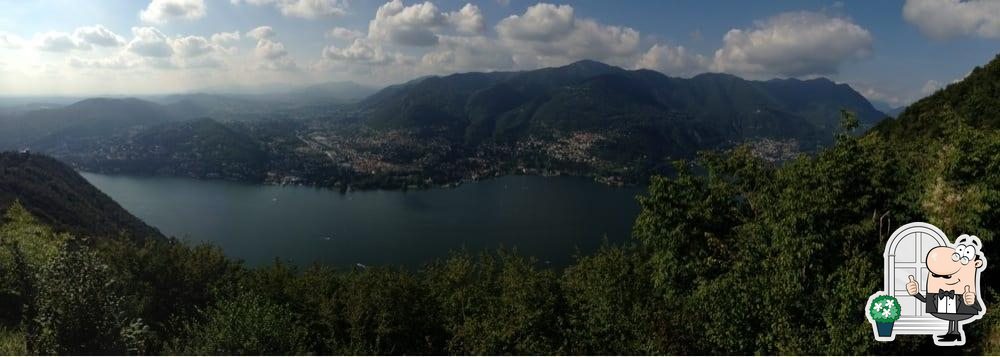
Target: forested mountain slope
column 58, row 196
column 588, row 95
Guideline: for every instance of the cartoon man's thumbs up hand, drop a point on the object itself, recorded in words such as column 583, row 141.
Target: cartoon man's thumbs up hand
column 911, row 287
column 969, row 296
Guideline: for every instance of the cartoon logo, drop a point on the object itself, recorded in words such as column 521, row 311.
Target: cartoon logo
column 931, row 286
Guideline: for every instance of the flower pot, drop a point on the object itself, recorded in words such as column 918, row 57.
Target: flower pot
column 884, row 328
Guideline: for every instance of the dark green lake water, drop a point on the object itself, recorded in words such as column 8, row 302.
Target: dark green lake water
column 550, row 218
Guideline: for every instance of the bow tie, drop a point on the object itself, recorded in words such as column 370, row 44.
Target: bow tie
column 945, row 294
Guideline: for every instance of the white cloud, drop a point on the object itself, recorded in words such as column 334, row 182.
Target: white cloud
column 191, row 46
column 149, row 42
column 162, row 11
column 151, row 48
column 422, row 24
column 793, row 44
column 98, row 35
column 943, row 19
column 450, row 41
column 901, row 95
column 930, row 87
column 271, row 54
column 116, row 62
column 675, row 61
column 312, row 8
column 548, row 34
column 344, row 34
column 54, row 41
column 541, row 22
column 788, row 44
column 260, row 33
column 225, row 38
column 280, row 64
column 82, row 39
column 307, row 9
column 198, row 62
column 226, row 41
column 8, row 40
column 461, row 53
column 873, row 94
column 408, row 39
column 361, row 51
column 270, row 50
column 467, row 20
column 962, row 78
column 369, row 60
column 412, row 25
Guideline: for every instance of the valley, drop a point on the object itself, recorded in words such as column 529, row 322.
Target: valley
column 585, row 119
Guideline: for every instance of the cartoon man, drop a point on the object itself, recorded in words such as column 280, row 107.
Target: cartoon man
column 952, row 285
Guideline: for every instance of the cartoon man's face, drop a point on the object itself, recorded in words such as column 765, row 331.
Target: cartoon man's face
column 953, row 268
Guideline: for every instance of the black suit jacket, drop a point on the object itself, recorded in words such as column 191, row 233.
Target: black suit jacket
column 960, row 307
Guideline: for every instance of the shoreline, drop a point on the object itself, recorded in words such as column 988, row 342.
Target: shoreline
column 391, row 188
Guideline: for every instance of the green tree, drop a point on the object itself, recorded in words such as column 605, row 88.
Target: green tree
column 381, row 311
column 80, row 309
column 246, row 324
column 498, row 304
column 169, row 281
column 309, row 293
column 610, row 305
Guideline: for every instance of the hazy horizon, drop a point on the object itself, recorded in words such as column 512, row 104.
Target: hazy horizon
column 892, row 52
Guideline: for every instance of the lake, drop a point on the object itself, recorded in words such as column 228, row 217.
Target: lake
column 550, row 218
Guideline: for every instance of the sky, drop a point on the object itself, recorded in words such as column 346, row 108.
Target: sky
column 890, row 51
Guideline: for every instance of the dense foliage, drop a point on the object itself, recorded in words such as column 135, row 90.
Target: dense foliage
column 732, row 255
column 58, row 196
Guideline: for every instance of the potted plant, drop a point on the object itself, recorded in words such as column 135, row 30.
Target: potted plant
column 884, row 310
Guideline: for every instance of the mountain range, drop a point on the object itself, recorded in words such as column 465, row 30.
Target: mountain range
column 889, row 110
column 78, row 121
column 583, row 118
column 43, row 122
column 589, row 95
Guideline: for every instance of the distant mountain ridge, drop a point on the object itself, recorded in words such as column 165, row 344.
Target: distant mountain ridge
column 888, row 109
column 62, row 125
column 589, row 95
column 586, row 118
column 220, row 104
column 337, row 92
column 199, row 148
column 83, row 119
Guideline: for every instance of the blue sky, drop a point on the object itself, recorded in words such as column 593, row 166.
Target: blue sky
column 892, row 51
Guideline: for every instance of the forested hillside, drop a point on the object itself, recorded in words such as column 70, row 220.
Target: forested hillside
column 680, row 115
column 732, row 255
column 200, row 148
column 59, row 197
